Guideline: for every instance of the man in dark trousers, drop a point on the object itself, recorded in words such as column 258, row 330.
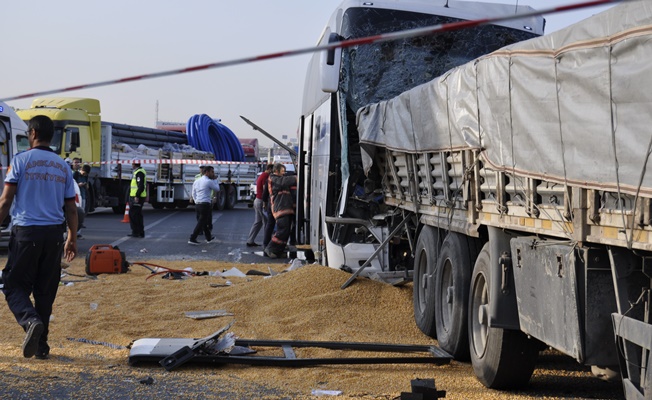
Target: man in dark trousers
column 282, row 208
column 40, row 186
column 137, row 195
column 202, row 190
column 260, row 219
column 270, row 223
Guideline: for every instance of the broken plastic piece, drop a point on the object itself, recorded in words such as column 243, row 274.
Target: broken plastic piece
column 321, row 392
column 234, row 272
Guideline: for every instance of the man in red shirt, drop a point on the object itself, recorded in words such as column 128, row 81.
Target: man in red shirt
column 260, row 217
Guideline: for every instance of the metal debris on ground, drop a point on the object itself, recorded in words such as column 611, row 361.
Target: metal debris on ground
column 423, row 389
column 207, row 314
column 173, row 352
column 225, row 284
column 322, row 392
column 234, row 272
column 111, row 345
column 257, row 273
column 147, row 381
column 294, row 264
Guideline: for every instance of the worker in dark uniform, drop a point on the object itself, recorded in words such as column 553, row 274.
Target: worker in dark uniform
column 137, row 195
column 41, row 188
column 282, row 208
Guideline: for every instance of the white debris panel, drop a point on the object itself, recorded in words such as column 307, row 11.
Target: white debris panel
column 572, row 107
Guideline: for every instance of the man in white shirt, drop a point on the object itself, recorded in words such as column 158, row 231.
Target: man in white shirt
column 201, row 194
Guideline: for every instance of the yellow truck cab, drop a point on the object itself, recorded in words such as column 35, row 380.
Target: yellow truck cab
column 77, row 125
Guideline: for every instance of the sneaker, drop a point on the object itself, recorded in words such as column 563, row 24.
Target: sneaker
column 253, row 245
column 194, row 242
column 270, row 254
column 32, row 336
column 211, row 239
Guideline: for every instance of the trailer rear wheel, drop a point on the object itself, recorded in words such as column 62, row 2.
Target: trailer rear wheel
column 451, row 287
column 221, row 198
column 231, row 198
column 423, row 291
column 501, row 358
column 182, row 204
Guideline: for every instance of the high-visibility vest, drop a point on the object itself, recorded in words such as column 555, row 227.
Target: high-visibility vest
column 134, row 184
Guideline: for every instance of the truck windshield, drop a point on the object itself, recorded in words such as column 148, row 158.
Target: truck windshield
column 380, row 71
column 55, row 143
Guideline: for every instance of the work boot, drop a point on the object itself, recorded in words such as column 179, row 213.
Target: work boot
column 43, row 351
column 33, row 333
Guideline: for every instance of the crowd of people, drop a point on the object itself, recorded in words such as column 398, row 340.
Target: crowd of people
column 274, row 207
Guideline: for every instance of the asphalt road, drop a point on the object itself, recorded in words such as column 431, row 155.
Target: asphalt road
column 167, row 232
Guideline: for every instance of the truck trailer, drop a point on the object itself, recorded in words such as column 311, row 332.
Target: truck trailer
column 171, row 164
column 512, row 187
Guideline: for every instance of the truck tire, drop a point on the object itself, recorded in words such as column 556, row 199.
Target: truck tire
column 423, row 293
column 451, row 286
column 501, row 358
column 221, row 198
column 157, row 206
column 231, row 197
column 120, row 209
column 182, row 204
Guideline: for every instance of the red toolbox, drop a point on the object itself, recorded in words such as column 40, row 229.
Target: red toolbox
column 105, row 259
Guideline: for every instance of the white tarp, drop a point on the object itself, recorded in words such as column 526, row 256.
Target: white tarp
column 574, row 106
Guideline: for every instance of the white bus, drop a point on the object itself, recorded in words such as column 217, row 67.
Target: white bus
column 13, row 139
column 331, row 187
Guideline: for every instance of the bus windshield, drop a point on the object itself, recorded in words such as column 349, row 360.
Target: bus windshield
column 380, row 71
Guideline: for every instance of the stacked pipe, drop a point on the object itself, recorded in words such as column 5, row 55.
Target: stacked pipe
column 207, row 134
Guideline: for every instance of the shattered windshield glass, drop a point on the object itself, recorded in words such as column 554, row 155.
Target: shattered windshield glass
column 380, row 71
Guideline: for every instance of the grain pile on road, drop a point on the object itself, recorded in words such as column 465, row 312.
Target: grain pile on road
column 303, row 304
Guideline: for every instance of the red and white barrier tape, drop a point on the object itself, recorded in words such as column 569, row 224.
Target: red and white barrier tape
column 431, row 30
column 178, row 161
column 171, row 161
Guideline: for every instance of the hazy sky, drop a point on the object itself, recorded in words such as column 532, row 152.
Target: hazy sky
column 54, row 44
